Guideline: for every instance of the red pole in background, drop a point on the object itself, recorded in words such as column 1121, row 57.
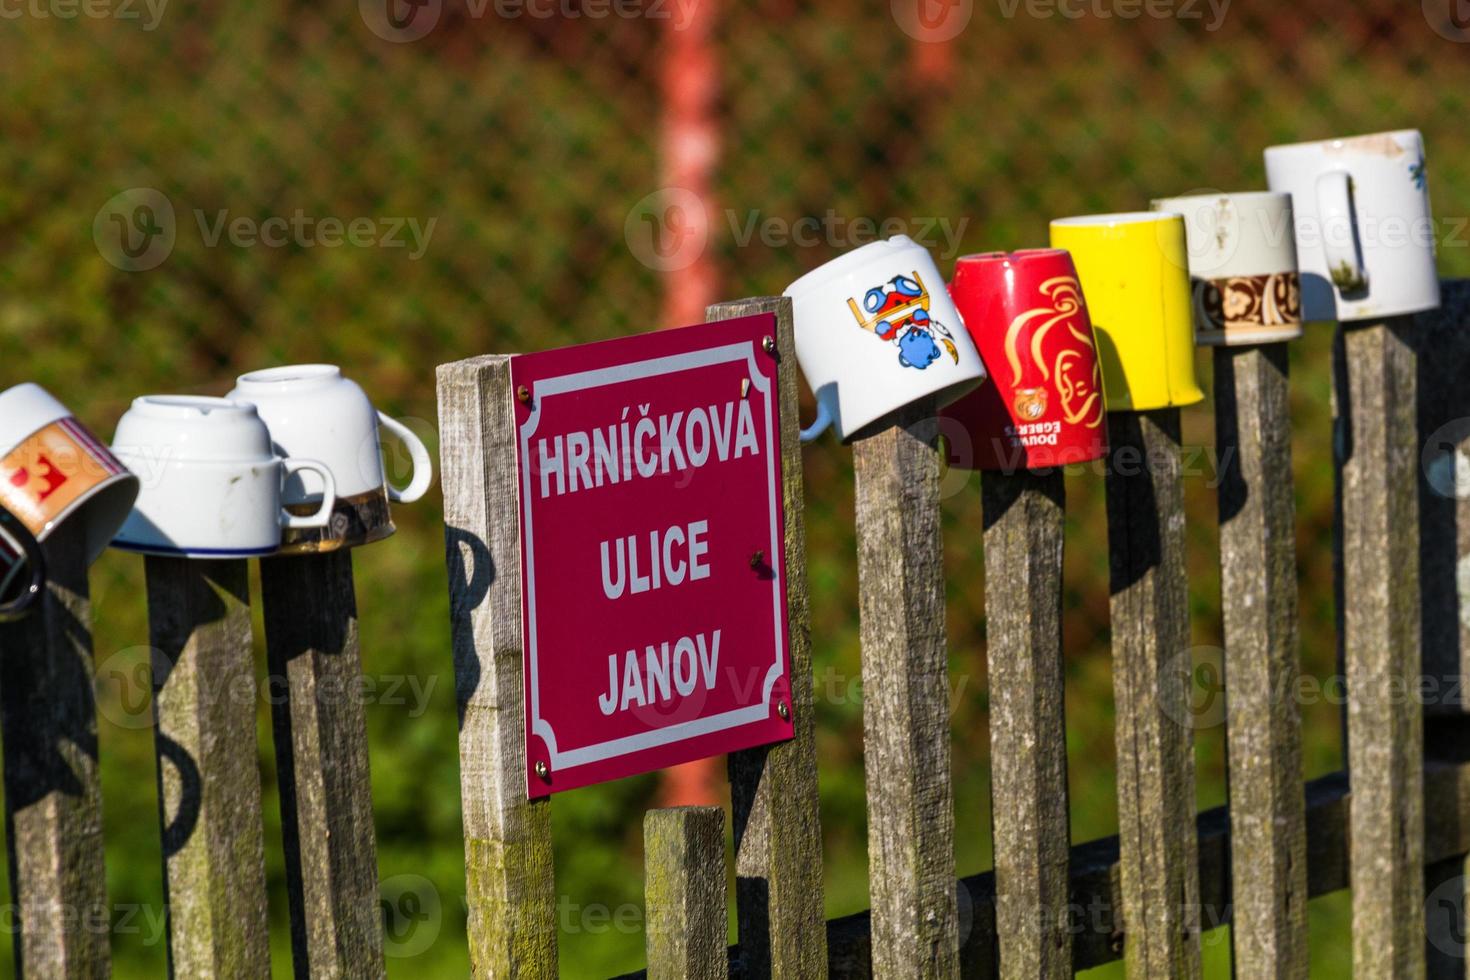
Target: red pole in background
column 689, row 148
column 933, row 62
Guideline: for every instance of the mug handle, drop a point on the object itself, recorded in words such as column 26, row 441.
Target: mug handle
column 1335, row 208
column 819, row 425
column 329, row 495
column 423, row 466
column 32, row 558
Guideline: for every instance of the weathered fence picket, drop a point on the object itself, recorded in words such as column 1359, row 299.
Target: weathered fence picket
column 208, row 783
column 1376, row 451
column 773, row 790
column 906, row 737
column 1444, row 919
column 1443, row 345
column 684, row 854
column 322, row 764
column 1259, row 605
column 1151, row 665
column 53, row 800
column 1028, row 744
column 509, row 874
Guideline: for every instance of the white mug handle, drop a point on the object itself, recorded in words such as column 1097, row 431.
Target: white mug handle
column 1335, row 209
column 423, row 466
column 329, row 494
column 823, row 420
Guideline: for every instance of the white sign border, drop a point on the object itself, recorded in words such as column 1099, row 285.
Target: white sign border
column 639, row 370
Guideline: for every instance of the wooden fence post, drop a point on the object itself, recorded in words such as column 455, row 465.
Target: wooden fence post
column 1259, row 600
column 1151, row 667
column 1444, row 496
column 204, row 698
column 509, row 874
column 1444, row 564
column 322, row 764
column 1445, row 920
column 911, row 867
column 773, row 789
column 1028, row 743
column 53, row 801
column 684, row 893
column 1377, row 455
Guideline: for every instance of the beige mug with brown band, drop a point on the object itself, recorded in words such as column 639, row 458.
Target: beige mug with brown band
column 53, row 470
column 1242, row 266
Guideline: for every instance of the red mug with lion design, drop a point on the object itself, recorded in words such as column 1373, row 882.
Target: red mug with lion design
column 1043, row 405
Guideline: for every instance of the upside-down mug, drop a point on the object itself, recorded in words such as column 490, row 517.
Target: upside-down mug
column 1044, row 403
column 876, row 331
column 212, row 486
column 22, row 568
column 1134, row 271
column 314, row 412
column 1242, row 266
column 1364, row 232
column 54, row 470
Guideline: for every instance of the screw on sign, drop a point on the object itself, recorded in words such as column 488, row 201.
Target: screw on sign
column 652, row 551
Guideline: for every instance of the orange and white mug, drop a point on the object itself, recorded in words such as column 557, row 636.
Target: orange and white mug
column 54, row 470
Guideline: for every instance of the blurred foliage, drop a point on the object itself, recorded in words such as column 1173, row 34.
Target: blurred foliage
column 528, row 140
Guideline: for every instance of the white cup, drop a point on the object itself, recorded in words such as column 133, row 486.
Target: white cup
column 876, row 331
column 1364, row 232
column 212, row 486
column 54, row 470
column 1242, row 266
column 314, row 412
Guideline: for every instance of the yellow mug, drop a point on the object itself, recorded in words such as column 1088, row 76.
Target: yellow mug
column 1134, row 270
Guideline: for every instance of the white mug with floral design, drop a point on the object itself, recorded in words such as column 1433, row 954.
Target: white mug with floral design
column 1364, row 232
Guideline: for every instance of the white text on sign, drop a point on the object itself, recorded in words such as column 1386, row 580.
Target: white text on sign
column 663, row 563
column 645, row 447
column 690, row 662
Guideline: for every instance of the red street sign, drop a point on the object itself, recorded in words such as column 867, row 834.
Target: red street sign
column 652, row 551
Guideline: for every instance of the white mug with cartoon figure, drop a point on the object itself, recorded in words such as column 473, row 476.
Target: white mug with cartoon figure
column 1364, row 233
column 876, row 331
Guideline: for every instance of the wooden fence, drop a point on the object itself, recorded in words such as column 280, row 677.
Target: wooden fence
column 1392, row 826
column 208, row 781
